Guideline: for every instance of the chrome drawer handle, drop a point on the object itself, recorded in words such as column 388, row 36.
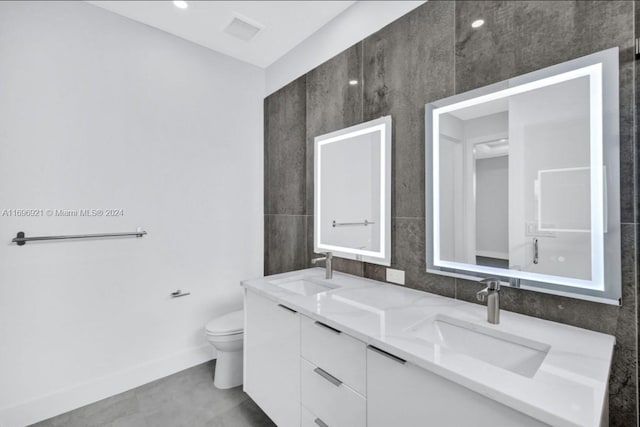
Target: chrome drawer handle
column 327, row 376
column 284, row 307
column 387, row 354
column 324, row 325
column 321, row 423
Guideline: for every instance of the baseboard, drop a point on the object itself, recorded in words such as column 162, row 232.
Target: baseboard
column 67, row 399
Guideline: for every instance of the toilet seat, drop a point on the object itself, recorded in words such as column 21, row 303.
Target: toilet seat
column 228, row 324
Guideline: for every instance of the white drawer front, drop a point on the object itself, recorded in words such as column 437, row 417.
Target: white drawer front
column 336, row 405
column 342, row 356
column 310, row 420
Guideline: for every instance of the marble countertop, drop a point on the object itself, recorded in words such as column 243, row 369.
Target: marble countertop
column 568, row 389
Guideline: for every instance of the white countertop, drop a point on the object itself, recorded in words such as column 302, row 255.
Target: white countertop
column 568, row 389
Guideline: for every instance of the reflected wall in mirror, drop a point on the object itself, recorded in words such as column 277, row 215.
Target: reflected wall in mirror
column 523, row 180
column 353, row 192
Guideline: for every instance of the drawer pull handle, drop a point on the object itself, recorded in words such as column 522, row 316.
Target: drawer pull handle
column 332, row 329
column 387, row 354
column 321, row 423
column 287, row 308
column 327, row 376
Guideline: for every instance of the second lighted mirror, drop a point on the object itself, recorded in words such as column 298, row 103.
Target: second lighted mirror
column 352, row 192
column 522, row 180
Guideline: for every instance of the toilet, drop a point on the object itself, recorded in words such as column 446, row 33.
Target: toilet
column 226, row 333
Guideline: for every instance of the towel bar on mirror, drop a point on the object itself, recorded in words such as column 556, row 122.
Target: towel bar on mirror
column 344, row 224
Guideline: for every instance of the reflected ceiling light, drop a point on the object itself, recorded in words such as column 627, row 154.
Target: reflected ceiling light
column 180, row 4
column 353, row 82
column 477, row 23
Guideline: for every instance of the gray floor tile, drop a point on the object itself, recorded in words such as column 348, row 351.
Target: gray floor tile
column 59, row 421
column 184, row 399
column 247, row 414
column 135, row 420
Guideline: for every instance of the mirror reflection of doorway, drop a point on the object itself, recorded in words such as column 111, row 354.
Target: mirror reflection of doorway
column 492, row 203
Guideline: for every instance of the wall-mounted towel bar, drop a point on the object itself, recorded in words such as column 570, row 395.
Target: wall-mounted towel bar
column 345, row 224
column 20, row 238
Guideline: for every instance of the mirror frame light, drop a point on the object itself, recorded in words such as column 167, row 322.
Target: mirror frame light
column 383, row 256
column 605, row 285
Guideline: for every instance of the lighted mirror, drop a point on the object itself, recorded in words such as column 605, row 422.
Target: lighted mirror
column 522, row 181
column 353, row 192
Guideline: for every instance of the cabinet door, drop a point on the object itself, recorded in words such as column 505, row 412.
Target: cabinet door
column 272, row 359
column 402, row 394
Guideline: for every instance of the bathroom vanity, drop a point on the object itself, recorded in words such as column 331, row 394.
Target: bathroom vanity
column 356, row 352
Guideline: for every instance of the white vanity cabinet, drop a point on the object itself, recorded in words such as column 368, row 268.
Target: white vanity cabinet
column 272, row 358
column 402, row 394
column 303, row 372
column 351, row 352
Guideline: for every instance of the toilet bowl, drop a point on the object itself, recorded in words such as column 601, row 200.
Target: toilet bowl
column 226, row 334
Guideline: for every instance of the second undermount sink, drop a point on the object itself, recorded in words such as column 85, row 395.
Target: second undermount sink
column 503, row 350
column 303, row 286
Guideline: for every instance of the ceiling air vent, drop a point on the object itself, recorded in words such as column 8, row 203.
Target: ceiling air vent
column 243, row 28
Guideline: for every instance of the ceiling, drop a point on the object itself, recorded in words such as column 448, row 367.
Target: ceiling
column 285, row 23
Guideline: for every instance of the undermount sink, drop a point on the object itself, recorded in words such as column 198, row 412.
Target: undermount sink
column 503, row 350
column 302, row 286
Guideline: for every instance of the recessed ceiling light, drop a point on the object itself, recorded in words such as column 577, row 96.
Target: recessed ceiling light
column 353, row 82
column 477, row 23
column 180, row 4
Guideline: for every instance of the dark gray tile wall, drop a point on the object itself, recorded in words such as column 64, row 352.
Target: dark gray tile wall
column 519, row 37
column 284, row 150
column 431, row 53
column 285, row 171
column 284, row 243
column 637, row 188
column 407, row 64
column 332, row 103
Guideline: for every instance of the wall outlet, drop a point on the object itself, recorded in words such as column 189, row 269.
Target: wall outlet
column 395, row 276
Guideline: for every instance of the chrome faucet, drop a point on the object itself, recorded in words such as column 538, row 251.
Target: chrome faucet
column 492, row 293
column 328, row 265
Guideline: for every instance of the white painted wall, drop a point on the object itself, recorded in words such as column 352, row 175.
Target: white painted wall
column 351, row 26
column 101, row 112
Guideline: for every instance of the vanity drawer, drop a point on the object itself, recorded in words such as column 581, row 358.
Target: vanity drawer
column 335, row 403
column 340, row 355
column 310, row 420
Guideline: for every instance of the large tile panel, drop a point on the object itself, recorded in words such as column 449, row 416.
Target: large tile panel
column 284, row 150
column 407, row 64
column 332, row 102
column 284, row 243
column 409, row 254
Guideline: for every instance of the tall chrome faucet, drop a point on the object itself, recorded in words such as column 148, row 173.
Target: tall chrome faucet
column 492, row 293
column 328, row 265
